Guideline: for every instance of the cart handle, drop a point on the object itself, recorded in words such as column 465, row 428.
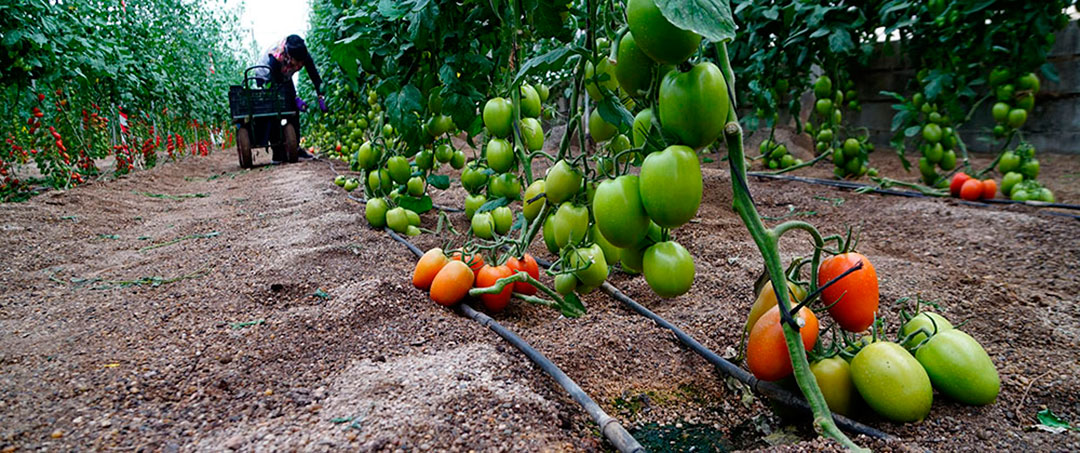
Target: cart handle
column 248, row 78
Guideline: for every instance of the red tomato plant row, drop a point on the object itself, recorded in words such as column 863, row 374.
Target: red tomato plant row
column 84, row 81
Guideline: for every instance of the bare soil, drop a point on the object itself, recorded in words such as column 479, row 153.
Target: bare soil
column 281, row 322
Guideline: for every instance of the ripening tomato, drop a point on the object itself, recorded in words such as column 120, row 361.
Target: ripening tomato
column 562, row 182
column 526, row 264
column 452, row 283
column 971, row 190
column 958, row 181
column 853, row 300
column 475, row 262
column 670, row 186
column 960, row 368
column 892, row 382
column 428, row 267
column 487, row 277
column 766, row 350
column 989, row 189
column 766, row 300
column 833, row 376
column 483, row 225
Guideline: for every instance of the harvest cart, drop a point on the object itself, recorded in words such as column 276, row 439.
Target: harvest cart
column 265, row 117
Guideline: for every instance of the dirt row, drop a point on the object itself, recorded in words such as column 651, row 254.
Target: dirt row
column 198, row 307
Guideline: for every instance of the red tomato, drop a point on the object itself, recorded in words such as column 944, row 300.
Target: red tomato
column 487, row 277
column 528, row 265
column 972, row 190
column 475, row 262
column 766, row 351
column 989, row 189
column 958, row 180
column 857, row 292
column 428, row 267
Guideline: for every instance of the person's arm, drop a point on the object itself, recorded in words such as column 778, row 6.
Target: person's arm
column 313, row 74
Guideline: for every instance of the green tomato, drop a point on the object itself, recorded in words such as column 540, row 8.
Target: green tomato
column 434, row 127
column 591, row 265
column 837, row 116
column 918, row 99
column 851, row 148
column 619, row 212
column 948, row 160
column 457, row 162
column 892, row 382
column 412, row 231
column 497, row 116
column 934, row 153
column 379, row 182
column 530, row 101
column 351, row 184
column 500, row 155
column 549, row 234
column 368, row 156
column 1005, row 92
column 935, row 118
column 668, row 269
column 642, row 127
column 825, row 136
column 853, row 166
column 562, row 182
column 1009, row 181
column 823, row 107
column 926, row 168
column 925, row 320
column 599, row 129
column 415, row 186
column 375, row 212
column 472, row 203
column 932, row 133
column 414, row 218
column 1030, row 169
column 483, row 225
column 505, row 185
column 633, row 257
column 694, row 105
column 999, row 76
column 565, row 283
column 532, row 210
column 398, row 166
column 657, row 37
column 634, row 68
column 1046, row 195
column 504, row 219
column 533, row 133
column 833, row 376
column 1000, row 112
column 425, row 160
column 823, row 87
column 397, row 219
column 473, row 178
column 1017, row 118
column 340, row 180
column 1019, row 194
column 787, row 161
column 604, row 73
column 612, row 254
column 960, row 368
column 670, row 186
column 1028, row 82
column 543, row 91
column 1026, row 102
column 443, row 153
column 571, row 223
column 999, row 131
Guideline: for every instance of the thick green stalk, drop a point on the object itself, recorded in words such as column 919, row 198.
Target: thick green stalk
column 767, row 242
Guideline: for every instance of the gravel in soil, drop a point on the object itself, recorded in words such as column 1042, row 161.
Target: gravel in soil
column 295, row 327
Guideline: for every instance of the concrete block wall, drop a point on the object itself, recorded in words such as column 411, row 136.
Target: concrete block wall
column 1053, row 126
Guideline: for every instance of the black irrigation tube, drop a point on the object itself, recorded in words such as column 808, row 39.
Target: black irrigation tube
column 912, row 194
column 609, row 426
column 766, row 388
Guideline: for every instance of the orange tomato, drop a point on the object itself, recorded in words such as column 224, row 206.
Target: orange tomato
column 528, row 265
column 989, row 189
column 857, row 292
column 475, row 262
column 487, row 277
column 766, row 351
column 972, row 190
column 428, row 267
column 958, row 181
column 452, row 283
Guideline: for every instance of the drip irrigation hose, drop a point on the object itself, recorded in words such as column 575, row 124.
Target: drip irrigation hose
column 609, row 426
column 768, row 389
column 913, row 194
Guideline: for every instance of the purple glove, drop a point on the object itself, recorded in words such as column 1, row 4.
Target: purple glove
column 322, row 104
column 300, row 104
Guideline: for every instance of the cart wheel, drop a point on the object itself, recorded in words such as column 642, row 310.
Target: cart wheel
column 292, row 145
column 243, row 147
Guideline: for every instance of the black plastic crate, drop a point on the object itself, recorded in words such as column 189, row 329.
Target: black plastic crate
column 244, row 102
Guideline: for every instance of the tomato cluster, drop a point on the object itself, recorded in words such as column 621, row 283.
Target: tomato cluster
column 448, row 278
column 1015, row 99
column 775, row 156
column 850, row 154
column 1020, row 170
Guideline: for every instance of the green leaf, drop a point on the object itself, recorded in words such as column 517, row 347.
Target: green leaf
column 840, row 41
column 613, row 112
column 492, row 204
column 1048, row 418
column 321, row 294
column 911, row 131
column 553, row 60
column 572, row 306
column 418, row 205
column 441, row 182
column 709, row 18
